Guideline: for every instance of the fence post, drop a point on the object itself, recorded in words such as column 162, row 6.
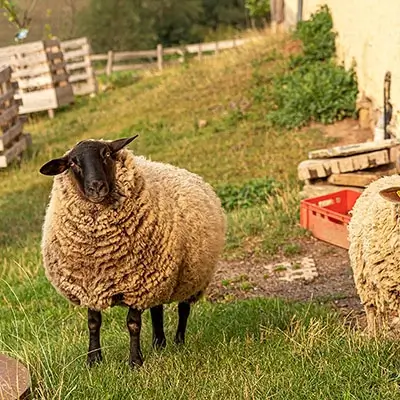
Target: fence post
column 200, row 52
column 160, row 57
column 110, row 57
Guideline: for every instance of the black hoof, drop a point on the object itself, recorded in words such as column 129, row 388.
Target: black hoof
column 179, row 340
column 159, row 343
column 135, row 362
column 94, row 358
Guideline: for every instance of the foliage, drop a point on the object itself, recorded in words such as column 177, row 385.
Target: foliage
column 323, row 92
column 251, row 193
column 258, row 8
column 314, row 88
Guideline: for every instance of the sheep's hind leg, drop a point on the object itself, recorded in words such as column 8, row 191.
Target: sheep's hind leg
column 94, row 324
column 183, row 313
column 157, row 319
column 134, row 323
column 374, row 321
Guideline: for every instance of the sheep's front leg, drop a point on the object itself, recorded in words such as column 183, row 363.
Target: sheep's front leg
column 183, row 313
column 157, row 319
column 134, row 323
column 94, row 324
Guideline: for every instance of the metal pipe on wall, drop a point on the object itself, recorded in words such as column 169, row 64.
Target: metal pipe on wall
column 299, row 10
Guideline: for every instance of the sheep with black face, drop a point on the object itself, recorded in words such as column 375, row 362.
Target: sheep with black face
column 123, row 230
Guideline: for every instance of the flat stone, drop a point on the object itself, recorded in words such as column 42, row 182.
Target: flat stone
column 304, row 269
column 14, row 379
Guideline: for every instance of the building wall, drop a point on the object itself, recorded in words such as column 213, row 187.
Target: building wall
column 368, row 33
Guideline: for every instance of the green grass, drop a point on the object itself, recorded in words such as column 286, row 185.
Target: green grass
column 255, row 349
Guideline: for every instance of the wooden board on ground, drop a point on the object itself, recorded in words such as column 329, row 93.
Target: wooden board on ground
column 322, row 189
column 313, row 169
column 351, row 149
column 362, row 178
column 14, row 379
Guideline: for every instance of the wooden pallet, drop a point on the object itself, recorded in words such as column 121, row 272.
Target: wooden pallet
column 40, row 71
column 12, row 141
column 79, row 66
column 353, row 166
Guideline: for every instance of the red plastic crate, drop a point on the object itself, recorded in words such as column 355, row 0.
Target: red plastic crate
column 327, row 216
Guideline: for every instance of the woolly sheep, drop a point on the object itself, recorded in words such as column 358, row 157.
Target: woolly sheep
column 122, row 230
column 374, row 250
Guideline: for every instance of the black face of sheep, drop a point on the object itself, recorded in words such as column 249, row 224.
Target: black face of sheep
column 92, row 164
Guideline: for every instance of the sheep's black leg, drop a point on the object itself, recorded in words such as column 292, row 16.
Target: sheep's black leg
column 94, row 324
column 134, row 323
column 157, row 319
column 183, row 313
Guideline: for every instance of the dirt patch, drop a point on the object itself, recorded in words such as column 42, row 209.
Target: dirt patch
column 333, row 286
column 346, row 132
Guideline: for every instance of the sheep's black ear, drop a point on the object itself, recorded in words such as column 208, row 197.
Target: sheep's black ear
column 118, row 144
column 55, row 167
column 391, row 194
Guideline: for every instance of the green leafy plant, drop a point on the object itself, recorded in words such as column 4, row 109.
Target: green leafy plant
column 247, row 195
column 258, row 8
column 314, row 87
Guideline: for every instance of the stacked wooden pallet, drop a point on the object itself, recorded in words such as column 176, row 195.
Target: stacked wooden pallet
column 79, row 66
column 12, row 141
column 353, row 166
column 40, row 70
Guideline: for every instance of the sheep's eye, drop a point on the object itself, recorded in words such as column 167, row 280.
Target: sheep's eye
column 108, row 154
column 73, row 163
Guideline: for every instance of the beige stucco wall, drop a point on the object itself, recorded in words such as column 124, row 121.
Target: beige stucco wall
column 369, row 33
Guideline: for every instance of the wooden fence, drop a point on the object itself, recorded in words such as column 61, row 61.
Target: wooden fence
column 79, row 66
column 12, row 141
column 119, row 61
column 40, row 71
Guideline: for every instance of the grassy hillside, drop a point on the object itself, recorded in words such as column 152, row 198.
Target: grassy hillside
column 246, row 350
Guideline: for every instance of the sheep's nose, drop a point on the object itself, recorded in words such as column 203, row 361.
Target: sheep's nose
column 98, row 187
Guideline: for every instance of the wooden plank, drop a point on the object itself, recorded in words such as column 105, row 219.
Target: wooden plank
column 75, row 54
column 99, row 57
column 10, row 135
column 14, row 151
column 5, row 74
column 313, row 169
column 7, row 96
column 26, row 61
column 66, row 44
column 7, row 115
column 129, row 55
column 321, row 189
column 38, row 100
column 15, row 380
column 359, row 161
column 362, row 178
column 352, row 149
column 78, row 77
column 131, row 67
column 64, row 95
column 38, row 81
column 37, row 70
column 77, row 65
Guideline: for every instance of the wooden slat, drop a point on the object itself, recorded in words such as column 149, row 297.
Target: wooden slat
column 66, row 44
column 99, row 57
column 129, row 55
column 5, row 74
column 313, row 169
column 13, row 152
column 77, row 65
column 64, row 95
column 7, row 96
column 44, row 99
column 7, row 115
column 362, row 178
column 38, row 70
column 131, row 67
column 37, row 81
column 10, row 135
column 78, row 77
column 75, row 54
column 352, row 149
